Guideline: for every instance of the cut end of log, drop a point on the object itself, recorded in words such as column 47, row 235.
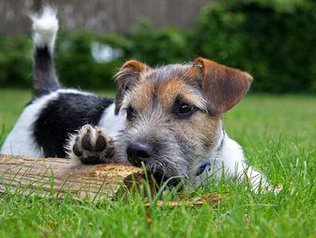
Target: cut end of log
column 58, row 176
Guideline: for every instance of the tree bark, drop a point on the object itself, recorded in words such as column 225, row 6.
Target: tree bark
column 55, row 177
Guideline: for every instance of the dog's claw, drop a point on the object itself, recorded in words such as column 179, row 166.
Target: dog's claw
column 91, row 145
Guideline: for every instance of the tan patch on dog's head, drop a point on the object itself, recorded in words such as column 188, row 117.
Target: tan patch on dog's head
column 126, row 78
column 163, row 96
column 148, row 93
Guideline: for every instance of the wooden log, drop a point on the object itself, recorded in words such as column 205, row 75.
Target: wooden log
column 56, row 177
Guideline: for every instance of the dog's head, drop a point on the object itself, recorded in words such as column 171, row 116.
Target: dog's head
column 173, row 113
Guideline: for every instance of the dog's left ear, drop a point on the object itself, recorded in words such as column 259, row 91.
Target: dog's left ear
column 222, row 86
column 126, row 78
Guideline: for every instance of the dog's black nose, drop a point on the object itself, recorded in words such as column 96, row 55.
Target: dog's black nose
column 138, row 153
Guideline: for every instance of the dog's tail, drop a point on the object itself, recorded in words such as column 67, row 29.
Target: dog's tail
column 45, row 27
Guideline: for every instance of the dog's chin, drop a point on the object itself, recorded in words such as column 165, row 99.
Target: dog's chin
column 157, row 173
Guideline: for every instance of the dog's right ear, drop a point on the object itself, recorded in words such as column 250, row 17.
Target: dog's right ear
column 126, row 78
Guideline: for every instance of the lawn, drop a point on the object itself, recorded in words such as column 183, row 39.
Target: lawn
column 278, row 134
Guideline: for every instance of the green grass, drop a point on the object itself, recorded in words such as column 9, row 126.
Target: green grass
column 278, row 134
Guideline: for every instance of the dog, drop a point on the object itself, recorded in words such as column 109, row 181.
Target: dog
column 168, row 119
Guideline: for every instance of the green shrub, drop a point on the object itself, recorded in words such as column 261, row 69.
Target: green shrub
column 275, row 43
column 158, row 46
column 15, row 61
column 81, row 63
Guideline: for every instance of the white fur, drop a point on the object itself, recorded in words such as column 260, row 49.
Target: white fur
column 45, row 27
column 231, row 162
column 112, row 123
column 20, row 141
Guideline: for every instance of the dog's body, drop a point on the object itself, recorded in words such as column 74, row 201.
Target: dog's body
column 167, row 118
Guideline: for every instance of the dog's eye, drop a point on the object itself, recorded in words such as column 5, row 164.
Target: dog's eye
column 185, row 110
column 130, row 113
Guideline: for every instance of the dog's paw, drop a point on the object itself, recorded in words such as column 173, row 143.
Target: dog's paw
column 91, row 145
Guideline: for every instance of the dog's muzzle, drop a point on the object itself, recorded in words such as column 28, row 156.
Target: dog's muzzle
column 138, row 153
column 143, row 154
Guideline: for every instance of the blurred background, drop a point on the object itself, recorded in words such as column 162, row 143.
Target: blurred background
column 274, row 40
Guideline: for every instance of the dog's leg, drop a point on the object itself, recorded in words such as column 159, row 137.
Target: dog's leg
column 91, row 145
column 232, row 163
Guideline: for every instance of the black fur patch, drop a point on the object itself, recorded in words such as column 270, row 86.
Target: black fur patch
column 64, row 115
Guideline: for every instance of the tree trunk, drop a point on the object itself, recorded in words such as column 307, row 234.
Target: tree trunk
column 55, row 177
